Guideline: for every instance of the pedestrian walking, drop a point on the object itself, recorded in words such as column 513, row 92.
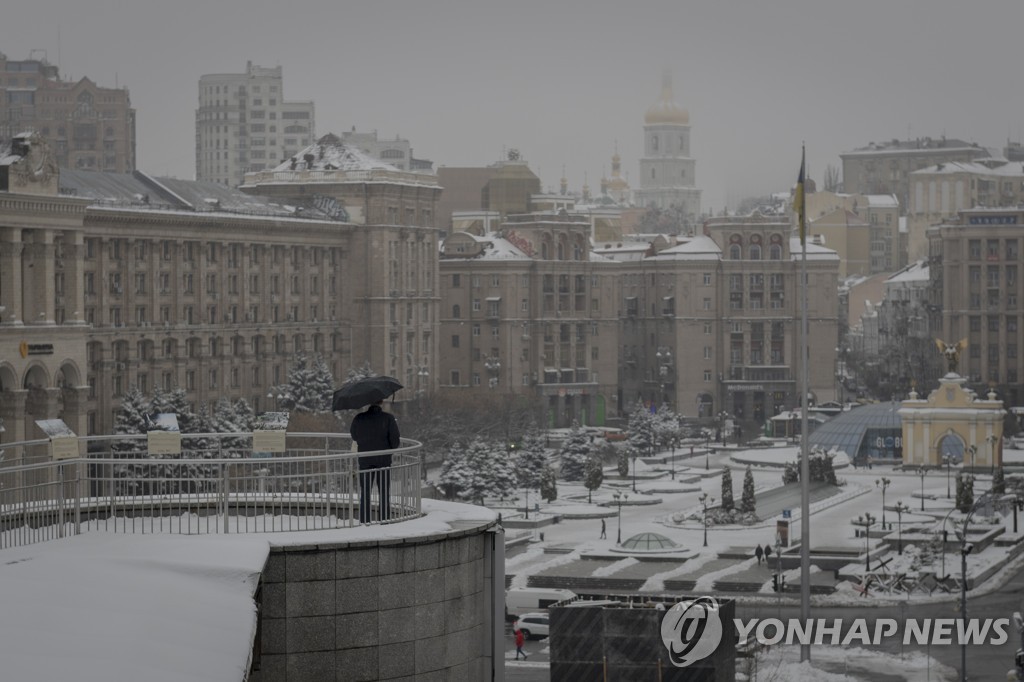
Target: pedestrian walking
column 767, row 553
column 375, row 429
column 604, row 535
column 520, row 640
column 759, row 553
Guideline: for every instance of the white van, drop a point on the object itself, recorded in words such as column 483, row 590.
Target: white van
column 520, row 600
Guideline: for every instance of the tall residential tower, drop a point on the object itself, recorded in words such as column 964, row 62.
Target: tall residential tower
column 244, row 124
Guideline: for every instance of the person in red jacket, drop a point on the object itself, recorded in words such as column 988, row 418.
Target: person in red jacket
column 520, row 639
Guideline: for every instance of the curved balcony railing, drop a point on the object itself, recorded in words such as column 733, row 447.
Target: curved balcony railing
column 217, row 484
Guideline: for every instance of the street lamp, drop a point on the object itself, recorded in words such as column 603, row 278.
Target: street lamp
column 664, row 356
column 707, row 450
column 619, row 499
column 705, row 501
column 883, row 483
column 277, row 399
column 493, row 366
column 973, row 449
column 867, row 521
column 922, row 472
column 900, row 508
column 948, row 461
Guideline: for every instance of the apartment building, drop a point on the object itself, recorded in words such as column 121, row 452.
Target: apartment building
column 976, row 292
column 938, row 192
column 87, row 126
column 885, row 167
column 528, row 310
column 245, row 124
column 715, row 320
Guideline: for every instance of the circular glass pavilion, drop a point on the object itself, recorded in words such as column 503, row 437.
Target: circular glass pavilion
column 870, row 433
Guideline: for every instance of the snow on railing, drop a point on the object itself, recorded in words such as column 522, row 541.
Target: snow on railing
column 217, row 484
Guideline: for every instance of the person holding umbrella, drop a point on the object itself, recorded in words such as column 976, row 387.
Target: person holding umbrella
column 375, row 429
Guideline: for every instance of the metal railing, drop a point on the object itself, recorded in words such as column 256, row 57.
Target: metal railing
column 217, row 484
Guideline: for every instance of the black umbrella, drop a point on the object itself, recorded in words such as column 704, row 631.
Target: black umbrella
column 363, row 392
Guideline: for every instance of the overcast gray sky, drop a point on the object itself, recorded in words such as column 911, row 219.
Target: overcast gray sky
column 563, row 81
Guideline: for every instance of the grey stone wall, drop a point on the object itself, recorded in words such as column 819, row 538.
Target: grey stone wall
column 413, row 609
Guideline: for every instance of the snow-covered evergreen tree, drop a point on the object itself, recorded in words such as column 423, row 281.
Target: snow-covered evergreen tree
column 727, row 501
column 531, row 459
column 131, row 418
column 594, row 474
column 358, row 372
column 476, row 484
column 502, row 472
column 309, row 386
column 748, row 504
column 454, row 471
column 622, row 461
column 790, row 474
column 323, row 384
column 998, row 482
column 174, row 402
column 548, row 485
column 202, row 422
column 667, row 429
column 641, row 437
column 574, row 453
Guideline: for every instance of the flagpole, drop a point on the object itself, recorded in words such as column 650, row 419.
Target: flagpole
column 805, row 468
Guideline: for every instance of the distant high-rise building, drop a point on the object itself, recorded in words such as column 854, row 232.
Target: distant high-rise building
column 885, row 167
column 668, row 174
column 244, row 124
column 88, row 127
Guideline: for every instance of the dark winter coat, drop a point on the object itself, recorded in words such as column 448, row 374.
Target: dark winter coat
column 375, row 429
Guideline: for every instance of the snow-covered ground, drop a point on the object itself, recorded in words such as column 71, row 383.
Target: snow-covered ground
column 830, row 526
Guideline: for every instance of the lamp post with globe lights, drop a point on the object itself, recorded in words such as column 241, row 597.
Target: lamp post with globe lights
column 493, row 366
column 866, row 521
column 705, row 500
column 620, row 498
column 922, row 472
column 883, row 483
column 900, row 508
column 948, row 461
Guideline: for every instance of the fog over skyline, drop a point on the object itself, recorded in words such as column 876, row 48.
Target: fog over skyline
column 563, row 82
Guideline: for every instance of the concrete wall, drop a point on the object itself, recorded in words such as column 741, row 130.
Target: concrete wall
column 397, row 609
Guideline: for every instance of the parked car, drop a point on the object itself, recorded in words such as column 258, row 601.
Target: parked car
column 520, row 600
column 533, row 625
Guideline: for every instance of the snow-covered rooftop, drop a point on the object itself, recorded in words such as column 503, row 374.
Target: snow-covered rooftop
column 915, row 272
column 700, row 247
column 330, row 153
column 1015, row 169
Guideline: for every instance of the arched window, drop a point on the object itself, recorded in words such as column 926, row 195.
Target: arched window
column 775, row 252
column 755, row 252
column 734, row 252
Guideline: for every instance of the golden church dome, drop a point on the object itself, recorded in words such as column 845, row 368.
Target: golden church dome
column 665, row 110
